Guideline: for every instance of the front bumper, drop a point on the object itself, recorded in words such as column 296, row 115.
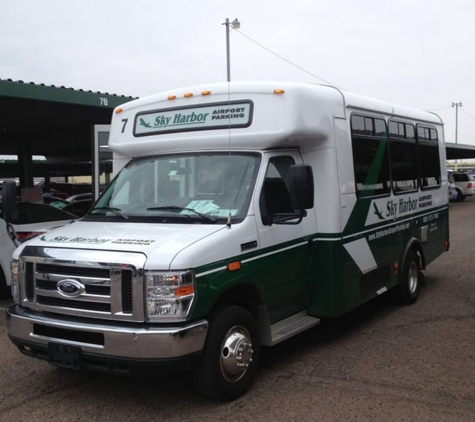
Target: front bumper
column 108, row 344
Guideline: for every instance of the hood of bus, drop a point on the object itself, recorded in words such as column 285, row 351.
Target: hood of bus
column 163, row 241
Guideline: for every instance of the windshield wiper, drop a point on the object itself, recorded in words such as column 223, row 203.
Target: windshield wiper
column 116, row 211
column 176, row 208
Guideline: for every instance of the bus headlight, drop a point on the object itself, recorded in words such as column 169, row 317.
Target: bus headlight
column 15, row 285
column 169, row 295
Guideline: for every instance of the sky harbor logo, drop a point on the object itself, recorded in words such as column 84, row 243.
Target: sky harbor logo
column 203, row 117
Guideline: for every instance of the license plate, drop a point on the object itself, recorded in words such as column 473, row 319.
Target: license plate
column 64, row 356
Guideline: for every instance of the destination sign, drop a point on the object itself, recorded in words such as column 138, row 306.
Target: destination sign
column 207, row 117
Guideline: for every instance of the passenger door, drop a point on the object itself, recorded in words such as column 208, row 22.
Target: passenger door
column 285, row 261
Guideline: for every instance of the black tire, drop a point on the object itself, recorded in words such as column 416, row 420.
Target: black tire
column 5, row 291
column 407, row 292
column 232, row 341
column 460, row 196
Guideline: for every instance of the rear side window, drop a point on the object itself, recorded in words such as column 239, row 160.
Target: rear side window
column 461, row 177
column 429, row 160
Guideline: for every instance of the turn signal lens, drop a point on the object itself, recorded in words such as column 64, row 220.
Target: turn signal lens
column 184, row 291
column 171, row 97
column 118, row 110
column 188, row 94
column 278, row 91
column 234, row 266
column 205, row 92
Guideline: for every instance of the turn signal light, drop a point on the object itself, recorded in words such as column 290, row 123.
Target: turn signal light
column 118, row 110
column 171, row 97
column 278, row 91
column 205, row 92
column 188, row 95
column 184, row 291
column 396, row 267
column 234, row 266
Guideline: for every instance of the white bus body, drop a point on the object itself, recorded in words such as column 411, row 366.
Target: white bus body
column 214, row 240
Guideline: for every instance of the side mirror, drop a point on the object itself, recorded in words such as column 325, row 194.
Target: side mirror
column 9, row 201
column 301, row 187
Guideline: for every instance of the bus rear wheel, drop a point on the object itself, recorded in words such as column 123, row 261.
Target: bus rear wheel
column 230, row 356
column 407, row 292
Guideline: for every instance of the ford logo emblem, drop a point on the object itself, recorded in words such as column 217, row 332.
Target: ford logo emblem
column 70, row 288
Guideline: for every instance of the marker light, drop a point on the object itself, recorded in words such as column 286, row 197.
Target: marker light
column 171, row 97
column 396, row 267
column 278, row 91
column 234, row 266
column 118, row 110
column 188, row 94
column 205, row 92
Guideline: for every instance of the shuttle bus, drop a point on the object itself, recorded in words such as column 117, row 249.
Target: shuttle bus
column 241, row 215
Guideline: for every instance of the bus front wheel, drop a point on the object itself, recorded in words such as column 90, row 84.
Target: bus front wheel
column 230, row 356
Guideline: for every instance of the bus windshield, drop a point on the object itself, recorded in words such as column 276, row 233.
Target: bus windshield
column 183, row 188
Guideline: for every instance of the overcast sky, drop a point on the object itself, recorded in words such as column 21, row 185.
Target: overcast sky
column 418, row 53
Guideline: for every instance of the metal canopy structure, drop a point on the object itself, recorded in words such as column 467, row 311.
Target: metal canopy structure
column 55, row 122
column 459, row 151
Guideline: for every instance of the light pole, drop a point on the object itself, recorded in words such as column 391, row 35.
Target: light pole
column 235, row 25
column 456, row 105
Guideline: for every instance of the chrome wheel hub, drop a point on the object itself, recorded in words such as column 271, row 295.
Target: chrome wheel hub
column 236, row 353
column 413, row 277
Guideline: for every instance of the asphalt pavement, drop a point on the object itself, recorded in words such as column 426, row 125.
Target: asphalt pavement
column 381, row 362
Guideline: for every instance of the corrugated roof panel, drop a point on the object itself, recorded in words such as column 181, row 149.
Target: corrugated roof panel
column 41, row 92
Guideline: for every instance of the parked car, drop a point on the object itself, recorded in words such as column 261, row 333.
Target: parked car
column 79, row 208
column 79, row 197
column 464, row 184
column 452, row 192
column 33, row 220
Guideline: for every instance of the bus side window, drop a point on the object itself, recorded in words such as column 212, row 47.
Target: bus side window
column 370, row 156
column 403, row 156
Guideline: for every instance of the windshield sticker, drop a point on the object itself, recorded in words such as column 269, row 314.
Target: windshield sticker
column 203, row 206
column 385, row 209
column 216, row 116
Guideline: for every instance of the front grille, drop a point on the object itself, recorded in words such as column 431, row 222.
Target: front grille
column 89, row 289
column 127, row 292
column 73, row 271
column 29, row 281
column 74, row 304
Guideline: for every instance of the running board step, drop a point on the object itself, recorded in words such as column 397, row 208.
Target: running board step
column 292, row 326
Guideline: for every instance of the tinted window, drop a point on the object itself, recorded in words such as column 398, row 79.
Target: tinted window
column 370, row 157
column 403, row 157
column 275, row 196
column 429, row 161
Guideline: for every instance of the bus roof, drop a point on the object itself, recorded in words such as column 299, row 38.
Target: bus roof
column 268, row 115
